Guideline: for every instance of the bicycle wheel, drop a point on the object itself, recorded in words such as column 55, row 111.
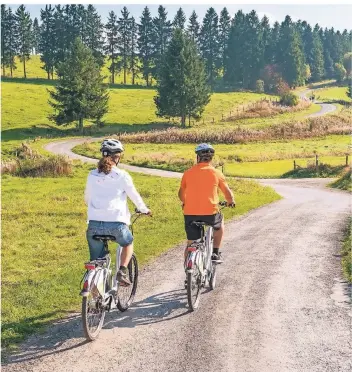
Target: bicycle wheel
column 125, row 295
column 93, row 314
column 193, row 289
column 212, row 280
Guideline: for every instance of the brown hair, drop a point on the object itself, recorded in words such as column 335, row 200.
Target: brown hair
column 107, row 162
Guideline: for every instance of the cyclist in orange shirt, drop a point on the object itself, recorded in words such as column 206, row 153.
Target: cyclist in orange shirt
column 199, row 196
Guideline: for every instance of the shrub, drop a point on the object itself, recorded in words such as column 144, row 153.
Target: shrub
column 340, row 72
column 282, row 87
column 259, row 86
column 289, row 99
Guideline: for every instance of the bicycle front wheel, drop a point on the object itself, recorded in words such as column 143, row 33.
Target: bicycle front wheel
column 93, row 315
column 125, row 295
column 193, row 289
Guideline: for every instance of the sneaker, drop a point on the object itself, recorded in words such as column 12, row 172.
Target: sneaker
column 122, row 278
column 217, row 258
column 84, row 292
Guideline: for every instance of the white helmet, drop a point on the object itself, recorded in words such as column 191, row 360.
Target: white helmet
column 204, row 147
column 111, row 146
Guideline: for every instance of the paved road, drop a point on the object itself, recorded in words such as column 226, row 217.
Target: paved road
column 325, row 108
column 279, row 305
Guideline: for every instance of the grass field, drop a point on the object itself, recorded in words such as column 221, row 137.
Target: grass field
column 262, row 159
column 344, row 182
column 332, row 94
column 44, row 247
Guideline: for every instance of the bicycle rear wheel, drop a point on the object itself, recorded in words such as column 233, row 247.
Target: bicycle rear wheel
column 193, row 289
column 93, row 314
column 125, row 295
column 212, row 280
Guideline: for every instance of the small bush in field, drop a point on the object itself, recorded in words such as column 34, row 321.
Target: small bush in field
column 289, row 99
column 259, row 86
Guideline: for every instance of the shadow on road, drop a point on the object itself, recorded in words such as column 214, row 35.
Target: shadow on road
column 67, row 334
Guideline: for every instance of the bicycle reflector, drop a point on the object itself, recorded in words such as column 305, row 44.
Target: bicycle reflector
column 89, row 266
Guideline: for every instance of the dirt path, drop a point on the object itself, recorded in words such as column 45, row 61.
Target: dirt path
column 279, row 304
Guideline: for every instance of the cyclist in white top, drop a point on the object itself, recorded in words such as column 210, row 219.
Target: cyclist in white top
column 106, row 195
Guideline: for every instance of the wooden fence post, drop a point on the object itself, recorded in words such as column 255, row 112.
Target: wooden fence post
column 317, row 162
column 346, row 160
column 213, row 120
column 294, row 165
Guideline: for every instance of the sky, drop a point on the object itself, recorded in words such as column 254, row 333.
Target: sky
column 337, row 16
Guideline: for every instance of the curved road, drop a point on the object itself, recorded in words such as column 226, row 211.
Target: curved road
column 325, row 108
column 280, row 304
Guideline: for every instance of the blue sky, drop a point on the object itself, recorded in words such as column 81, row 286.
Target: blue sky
column 337, row 16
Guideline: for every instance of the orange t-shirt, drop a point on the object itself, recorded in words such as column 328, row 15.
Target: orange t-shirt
column 199, row 190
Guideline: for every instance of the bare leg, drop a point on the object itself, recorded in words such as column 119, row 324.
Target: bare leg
column 126, row 255
column 218, row 234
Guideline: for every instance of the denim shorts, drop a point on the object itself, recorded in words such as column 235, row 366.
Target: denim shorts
column 119, row 230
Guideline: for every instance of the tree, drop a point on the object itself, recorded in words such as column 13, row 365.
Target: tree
column 193, row 27
column 161, row 36
column 60, row 47
column 349, row 90
column 25, row 40
column 47, row 40
column 182, row 89
column 266, row 41
column 317, row 59
column 209, row 44
column 36, row 36
column 179, row 20
column 94, row 34
column 340, row 72
column 124, row 47
column 233, row 73
column 9, row 39
column 80, row 93
column 224, row 33
column 111, row 48
column 347, row 64
column 308, row 73
column 145, row 44
column 134, row 56
column 291, row 55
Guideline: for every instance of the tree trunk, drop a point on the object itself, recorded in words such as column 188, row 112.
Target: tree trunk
column 48, row 72
column 183, row 121
column 52, row 74
column 24, row 67
column 189, row 120
column 113, row 74
column 80, row 125
column 133, row 76
column 11, row 70
column 124, row 75
column 3, row 70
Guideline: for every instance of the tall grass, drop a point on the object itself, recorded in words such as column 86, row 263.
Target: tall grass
column 308, row 128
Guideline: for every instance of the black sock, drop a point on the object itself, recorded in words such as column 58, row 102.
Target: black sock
column 216, row 250
column 123, row 269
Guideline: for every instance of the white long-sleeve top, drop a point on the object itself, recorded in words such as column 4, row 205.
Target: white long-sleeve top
column 106, row 196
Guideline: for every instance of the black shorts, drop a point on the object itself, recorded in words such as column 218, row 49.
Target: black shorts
column 195, row 232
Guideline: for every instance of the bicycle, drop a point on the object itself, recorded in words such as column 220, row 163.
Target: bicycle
column 103, row 290
column 199, row 267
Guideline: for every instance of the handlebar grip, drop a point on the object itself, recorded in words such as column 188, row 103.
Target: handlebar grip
column 223, row 204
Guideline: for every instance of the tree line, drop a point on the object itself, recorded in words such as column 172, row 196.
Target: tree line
column 237, row 51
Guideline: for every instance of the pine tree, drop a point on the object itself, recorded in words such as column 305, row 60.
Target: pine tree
column 134, row 56
column 111, row 48
column 291, row 55
column 224, row 33
column 179, row 20
column 317, row 63
column 161, row 36
column 145, row 44
column 94, row 34
column 349, row 91
column 9, row 39
column 124, row 27
column 80, row 93
column 274, row 48
column 47, row 40
column 36, row 36
column 182, row 89
column 60, row 47
column 193, row 27
column 266, row 41
column 234, row 68
column 25, row 40
column 82, row 20
column 209, row 44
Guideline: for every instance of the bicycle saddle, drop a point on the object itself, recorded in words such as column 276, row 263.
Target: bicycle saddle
column 103, row 238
